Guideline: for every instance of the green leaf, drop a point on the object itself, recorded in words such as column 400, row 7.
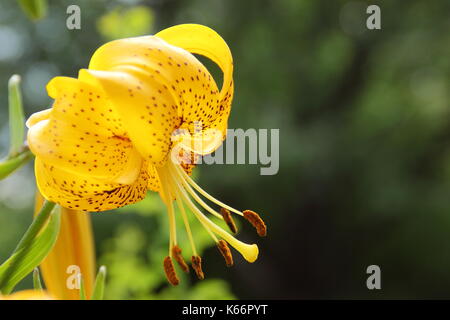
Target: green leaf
column 18, row 153
column 9, row 165
column 37, row 279
column 82, row 288
column 99, row 286
column 16, row 117
column 34, row 9
column 32, row 248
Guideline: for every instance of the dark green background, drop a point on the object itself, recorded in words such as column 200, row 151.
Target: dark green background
column 364, row 144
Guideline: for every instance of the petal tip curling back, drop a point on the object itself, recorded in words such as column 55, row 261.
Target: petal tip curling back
column 202, row 40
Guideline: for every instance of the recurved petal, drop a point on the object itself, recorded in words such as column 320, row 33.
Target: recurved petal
column 38, row 116
column 86, row 193
column 201, row 142
column 84, row 106
column 205, row 41
column 202, row 40
column 148, row 113
column 78, row 135
column 170, row 69
column 108, row 159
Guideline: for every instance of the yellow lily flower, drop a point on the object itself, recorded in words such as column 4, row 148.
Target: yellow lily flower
column 72, row 254
column 110, row 134
column 27, row 295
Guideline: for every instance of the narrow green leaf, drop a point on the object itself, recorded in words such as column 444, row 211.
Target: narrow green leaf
column 9, row 165
column 16, row 117
column 82, row 288
column 37, row 279
column 35, row 9
column 36, row 225
column 99, row 285
column 32, row 248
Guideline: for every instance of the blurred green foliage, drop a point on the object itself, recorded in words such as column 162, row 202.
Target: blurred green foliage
column 34, row 9
column 365, row 144
column 137, row 21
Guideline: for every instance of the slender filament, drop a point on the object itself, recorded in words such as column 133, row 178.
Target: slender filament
column 186, row 177
column 249, row 252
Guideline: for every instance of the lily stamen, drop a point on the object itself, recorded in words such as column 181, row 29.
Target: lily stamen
column 226, row 252
column 249, row 252
column 169, row 269
column 197, row 266
column 228, row 219
column 176, row 252
column 251, row 216
column 256, row 221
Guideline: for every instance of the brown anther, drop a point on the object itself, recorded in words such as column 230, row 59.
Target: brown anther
column 226, row 252
column 170, row 272
column 228, row 219
column 256, row 222
column 176, row 252
column 197, row 266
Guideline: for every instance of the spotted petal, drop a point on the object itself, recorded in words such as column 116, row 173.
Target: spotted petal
column 205, row 41
column 174, row 72
column 149, row 116
column 85, row 192
column 82, row 134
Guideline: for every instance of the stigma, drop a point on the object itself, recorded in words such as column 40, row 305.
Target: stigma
column 177, row 187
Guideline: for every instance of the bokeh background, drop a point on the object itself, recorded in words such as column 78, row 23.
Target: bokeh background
column 364, row 145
